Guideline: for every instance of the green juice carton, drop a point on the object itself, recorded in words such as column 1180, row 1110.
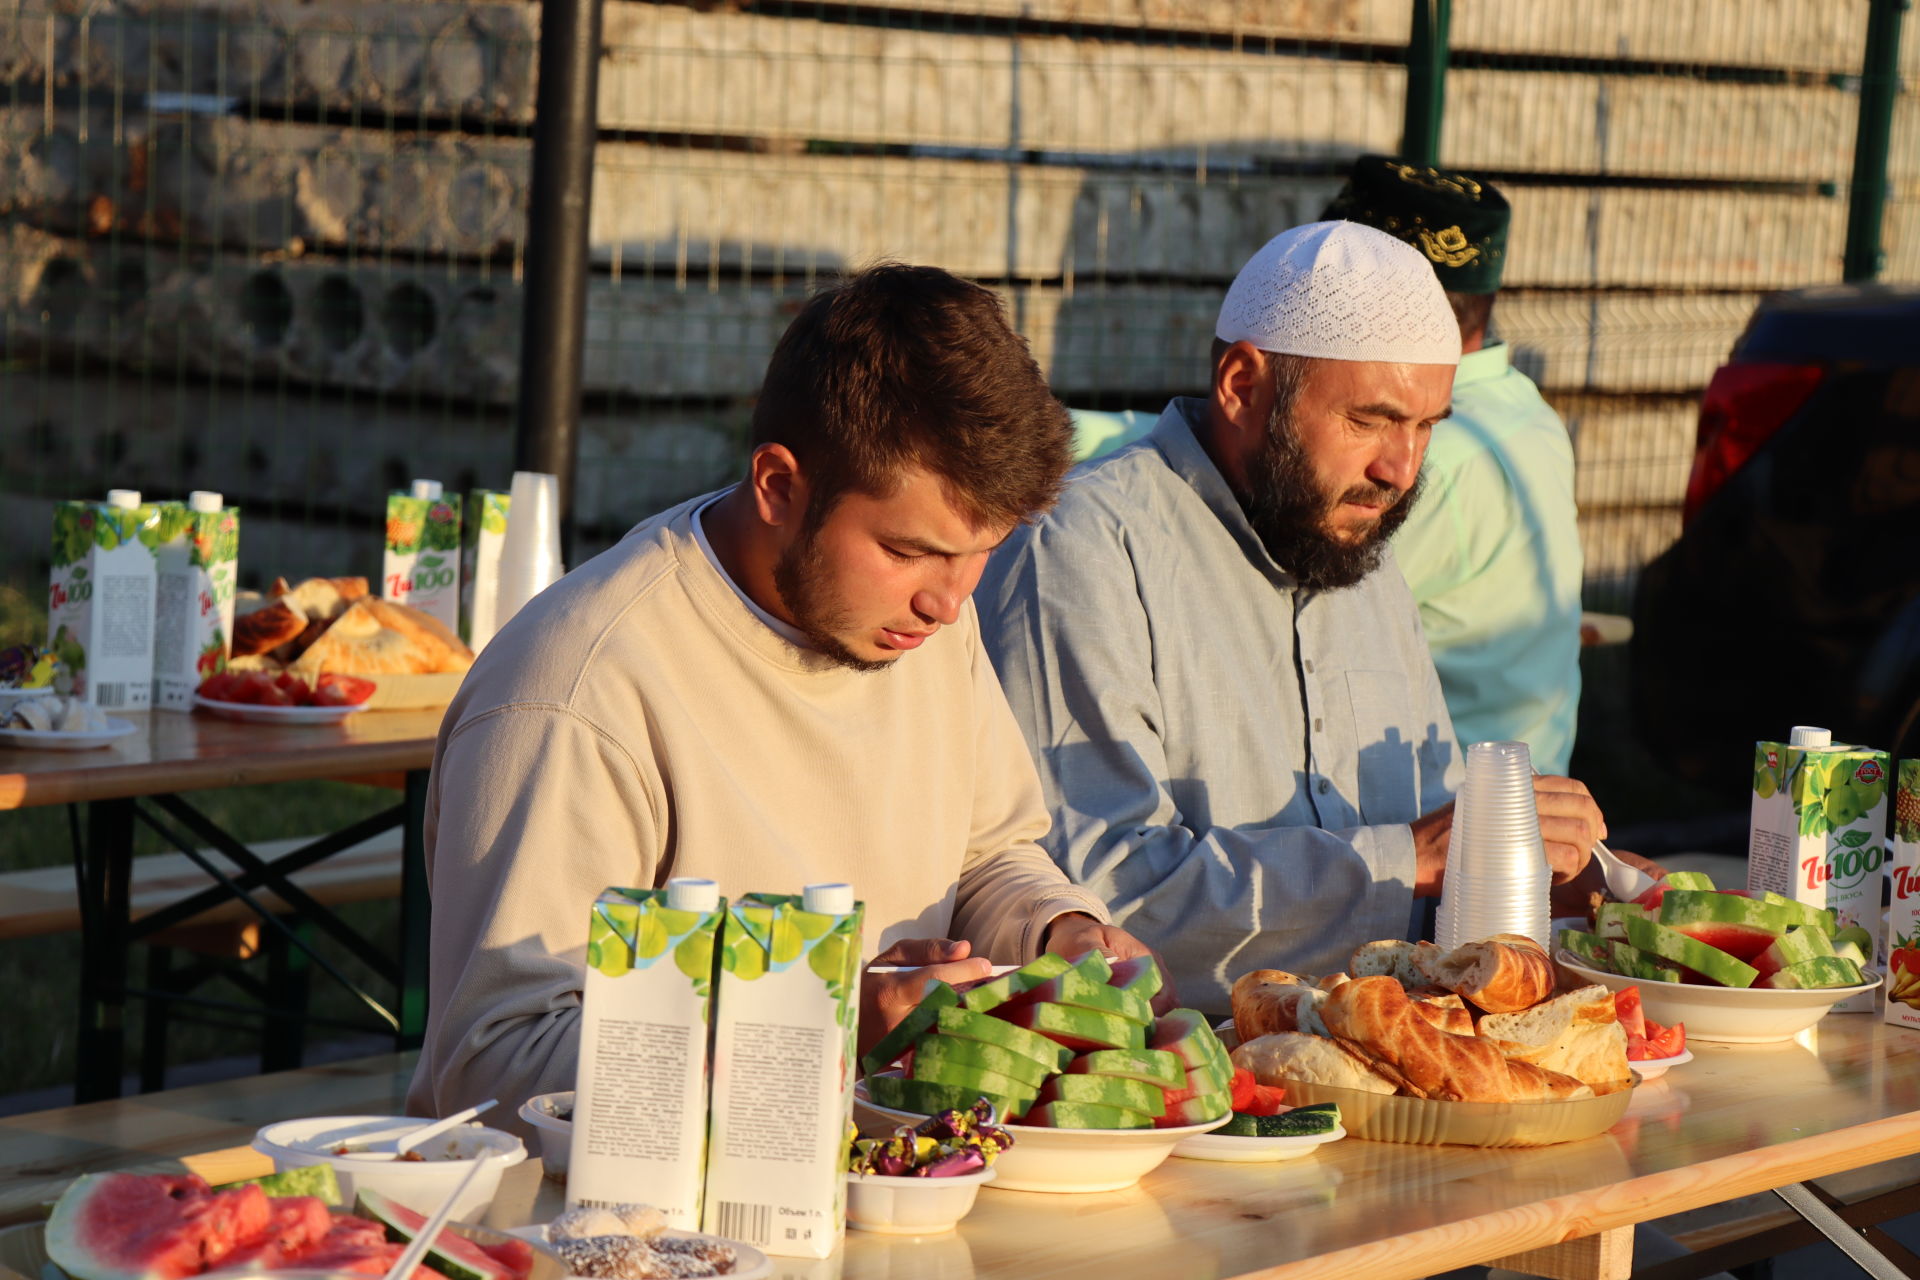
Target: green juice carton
column 197, row 566
column 100, row 599
column 483, row 531
column 783, row 1070
column 1903, row 910
column 1818, row 834
column 640, row 1104
column 422, row 565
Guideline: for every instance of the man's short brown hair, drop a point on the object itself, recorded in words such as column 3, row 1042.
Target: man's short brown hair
column 902, row 366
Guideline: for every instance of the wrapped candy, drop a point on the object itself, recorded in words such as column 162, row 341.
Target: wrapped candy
column 948, row 1145
column 955, row 1164
column 947, row 1124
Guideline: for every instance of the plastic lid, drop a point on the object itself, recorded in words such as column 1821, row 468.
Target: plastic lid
column 686, row 893
column 427, row 489
column 125, row 499
column 205, row 501
column 1806, row 735
column 828, row 899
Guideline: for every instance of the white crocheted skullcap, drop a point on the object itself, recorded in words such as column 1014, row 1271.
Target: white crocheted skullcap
column 1341, row 291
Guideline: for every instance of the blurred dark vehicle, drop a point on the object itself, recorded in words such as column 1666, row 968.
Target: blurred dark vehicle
column 1793, row 594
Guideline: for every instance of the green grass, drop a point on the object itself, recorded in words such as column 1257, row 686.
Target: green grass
column 41, row 975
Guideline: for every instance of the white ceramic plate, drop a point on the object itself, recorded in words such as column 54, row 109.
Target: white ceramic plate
column 252, row 713
column 1232, row 1149
column 1058, row 1160
column 1735, row 1015
column 1654, row 1068
column 53, row 740
column 748, row 1262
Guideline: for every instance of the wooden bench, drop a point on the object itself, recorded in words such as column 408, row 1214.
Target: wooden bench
column 44, row 902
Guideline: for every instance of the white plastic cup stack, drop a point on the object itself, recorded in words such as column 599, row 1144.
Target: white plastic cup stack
column 530, row 552
column 1497, row 873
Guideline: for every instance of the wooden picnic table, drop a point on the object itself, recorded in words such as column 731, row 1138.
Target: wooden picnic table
column 140, row 778
column 1736, row 1120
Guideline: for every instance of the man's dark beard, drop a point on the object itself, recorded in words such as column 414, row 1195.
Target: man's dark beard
column 1288, row 511
column 797, row 576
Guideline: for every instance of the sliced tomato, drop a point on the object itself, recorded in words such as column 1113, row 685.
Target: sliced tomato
column 272, row 695
column 1637, row 1049
column 1267, row 1100
column 1626, row 1007
column 350, row 690
column 252, row 685
column 1243, row 1086
column 1670, row 1042
column 219, row 687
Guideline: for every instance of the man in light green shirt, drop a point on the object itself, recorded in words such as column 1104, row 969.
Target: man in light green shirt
column 1491, row 551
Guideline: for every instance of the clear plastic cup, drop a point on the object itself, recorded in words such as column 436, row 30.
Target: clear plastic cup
column 1497, row 873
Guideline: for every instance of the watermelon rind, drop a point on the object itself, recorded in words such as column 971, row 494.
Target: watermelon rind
column 1740, row 926
column 1825, row 919
column 316, row 1180
column 1610, row 921
column 1085, row 1115
column 1631, row 962
column 923, row 1097
column 1709, row 962
column 954, row 1050
column 978, row 1079
column 1689, row 880
column 1814, row 974
column 150, row 1234
column 449, row 1254
column 1078, row 1028
column 1140, row 975
column 999, row 990
column 1153, row 1066
column 938, row 996
column 997, row 1031
column 1586, row 947
column 1110, row 1091
column 1792, row 947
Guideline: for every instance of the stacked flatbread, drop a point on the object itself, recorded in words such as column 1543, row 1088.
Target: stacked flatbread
column 334, row 625
column 1480, row 1023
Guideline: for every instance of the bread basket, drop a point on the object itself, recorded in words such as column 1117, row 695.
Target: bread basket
column 1385, row 1117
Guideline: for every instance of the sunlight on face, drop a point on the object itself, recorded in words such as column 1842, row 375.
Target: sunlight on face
column 882, row 574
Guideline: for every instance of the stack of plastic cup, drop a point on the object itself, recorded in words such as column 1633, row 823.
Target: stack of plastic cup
column 1497, row 874
column 530, row 551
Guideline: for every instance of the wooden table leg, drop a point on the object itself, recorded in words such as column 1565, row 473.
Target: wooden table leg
column 106, row 867
column 415, row 915
column 1605, row 1255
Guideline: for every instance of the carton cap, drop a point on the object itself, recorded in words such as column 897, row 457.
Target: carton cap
column 125, row 499
column 426, row 489
column 205, row 501
column 828, row 899
column 685, row 893
column 1806, row 735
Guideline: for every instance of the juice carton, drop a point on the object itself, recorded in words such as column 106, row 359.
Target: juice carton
column 1903, row 915
column 1817, row 832
column 640, row 1108
column 100, row 600
column 483, row 531
column 197, row 564
column 783, row 1055
column 422, row 565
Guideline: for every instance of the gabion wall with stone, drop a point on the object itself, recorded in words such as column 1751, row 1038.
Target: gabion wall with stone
column 274, row 247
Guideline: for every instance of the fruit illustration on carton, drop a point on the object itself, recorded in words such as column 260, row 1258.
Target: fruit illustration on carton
column 421, row 567
column 1903, row 909
column 100, row 617
column 640, row 1104
column 1818, row 834
column 784, row 1025
column 197, row 563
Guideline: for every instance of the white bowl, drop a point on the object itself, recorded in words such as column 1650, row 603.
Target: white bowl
column 556, row 1135
column 1060, row 1160
column 1735, row 1015
column 1654, row 1068
column 420, row 1185
column 912, row 1206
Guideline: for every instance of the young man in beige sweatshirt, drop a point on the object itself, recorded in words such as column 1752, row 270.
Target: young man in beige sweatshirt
column 778, row 684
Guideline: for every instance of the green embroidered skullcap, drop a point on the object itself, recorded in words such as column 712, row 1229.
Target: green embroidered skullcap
column 1458, row 222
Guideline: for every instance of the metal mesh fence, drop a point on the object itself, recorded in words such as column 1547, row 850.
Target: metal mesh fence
column 275, row 248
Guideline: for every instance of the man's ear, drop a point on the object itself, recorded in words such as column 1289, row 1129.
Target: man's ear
column 1242, row 396
column 779, row 486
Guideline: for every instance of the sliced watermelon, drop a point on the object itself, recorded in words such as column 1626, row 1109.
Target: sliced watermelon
column 122, row 1226
column 1185, row 1034
column 1080, row 990
column 354, row 1245
column 1741, row 927
column 1792, row 947
column 452, row 1256
column 997, row 991
column 514, row 1254
column 1140, row 975
column 294, row 1223
column 1078, row 1029
column 1085, row 1115
column 1109, row 1091
column 1691, row 953
column 1208, row 1106
column 1153, row 1066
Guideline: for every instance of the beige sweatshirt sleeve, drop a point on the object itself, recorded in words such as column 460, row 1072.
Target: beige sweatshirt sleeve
column 1010, row 889
column 532, row 812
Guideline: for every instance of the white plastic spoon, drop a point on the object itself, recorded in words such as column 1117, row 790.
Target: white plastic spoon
column 423, row 1240
column 404, row 1142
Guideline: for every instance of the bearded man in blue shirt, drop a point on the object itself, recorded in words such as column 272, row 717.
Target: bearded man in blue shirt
column 1240, row 734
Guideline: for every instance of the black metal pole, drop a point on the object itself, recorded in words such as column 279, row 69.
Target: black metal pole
column 553, row 337
column 1426, row 81
column 1879, row 86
